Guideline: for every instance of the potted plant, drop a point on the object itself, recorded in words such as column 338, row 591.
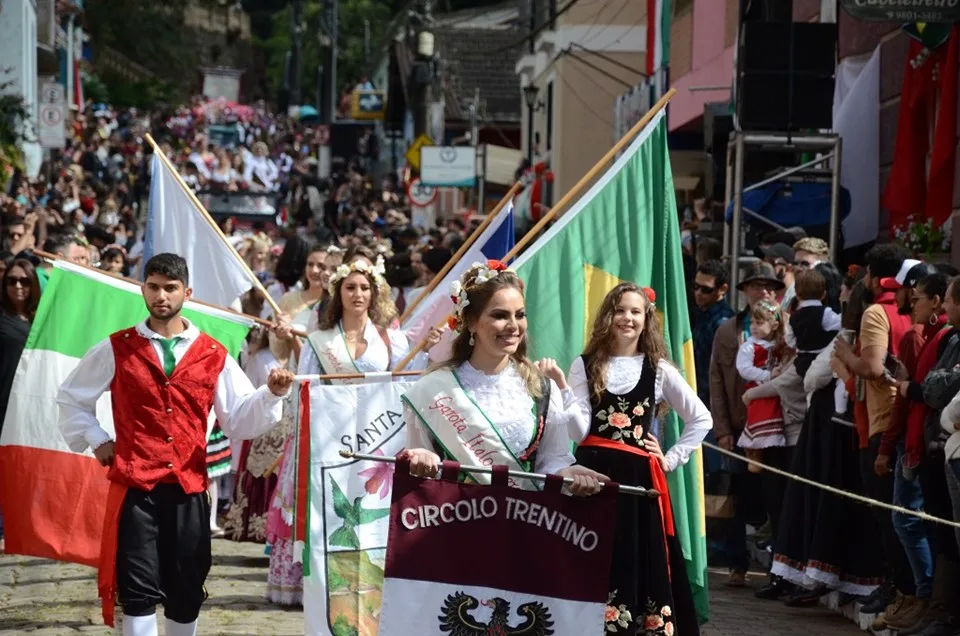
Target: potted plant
column 926, row 241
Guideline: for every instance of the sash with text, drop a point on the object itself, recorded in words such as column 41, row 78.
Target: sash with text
column 474, row 559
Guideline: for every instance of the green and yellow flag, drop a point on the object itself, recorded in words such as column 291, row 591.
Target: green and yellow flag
column 625, row 228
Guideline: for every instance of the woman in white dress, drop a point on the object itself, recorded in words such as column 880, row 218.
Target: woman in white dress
column 493, row 384
column 350, row 339
column 620, row 382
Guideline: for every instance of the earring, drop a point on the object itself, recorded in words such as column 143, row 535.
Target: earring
column 471, row 339
column 933, row 320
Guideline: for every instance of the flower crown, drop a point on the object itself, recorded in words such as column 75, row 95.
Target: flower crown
column 458, row 291
column 359, row 265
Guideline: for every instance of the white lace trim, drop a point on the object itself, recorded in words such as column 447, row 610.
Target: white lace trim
column 623, row 373
column 505, row 400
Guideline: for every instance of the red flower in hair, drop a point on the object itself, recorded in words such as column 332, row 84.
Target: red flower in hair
column 853, row 270
column 651, row 295
column 497, row 266
column 452, row 323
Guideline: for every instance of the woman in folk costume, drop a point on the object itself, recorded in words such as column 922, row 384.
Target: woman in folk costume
column 620, row 382
column 512, row 413
column 351, row 339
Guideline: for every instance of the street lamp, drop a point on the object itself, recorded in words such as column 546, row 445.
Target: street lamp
column 530, row 92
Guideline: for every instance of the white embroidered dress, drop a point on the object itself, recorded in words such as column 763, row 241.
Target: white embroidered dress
column 503, row 397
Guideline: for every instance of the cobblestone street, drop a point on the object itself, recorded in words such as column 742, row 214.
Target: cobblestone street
column 42, row 597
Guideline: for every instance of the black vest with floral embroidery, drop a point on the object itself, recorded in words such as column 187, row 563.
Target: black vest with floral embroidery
column 624, row 418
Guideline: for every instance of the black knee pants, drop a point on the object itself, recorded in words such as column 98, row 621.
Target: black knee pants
column 163, row 552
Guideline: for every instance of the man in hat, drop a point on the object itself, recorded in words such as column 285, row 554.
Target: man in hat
column 726, row 403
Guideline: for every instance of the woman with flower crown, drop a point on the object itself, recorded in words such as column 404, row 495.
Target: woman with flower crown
column 512, row 413
column 620, row 382
column 351, row 338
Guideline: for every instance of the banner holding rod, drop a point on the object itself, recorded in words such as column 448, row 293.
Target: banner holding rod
column 627, row 490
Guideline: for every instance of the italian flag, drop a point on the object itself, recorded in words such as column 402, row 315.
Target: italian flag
column 53, row 499
column 659, row 15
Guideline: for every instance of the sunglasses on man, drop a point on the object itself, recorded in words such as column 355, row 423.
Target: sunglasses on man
column 703, row 289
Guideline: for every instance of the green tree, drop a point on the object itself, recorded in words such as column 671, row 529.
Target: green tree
column 14, row 122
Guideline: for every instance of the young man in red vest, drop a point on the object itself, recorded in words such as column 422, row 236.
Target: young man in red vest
column 165, row 377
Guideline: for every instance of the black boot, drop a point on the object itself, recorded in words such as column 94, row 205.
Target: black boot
column 806, row 598
column 775, row 588
column 884, row 596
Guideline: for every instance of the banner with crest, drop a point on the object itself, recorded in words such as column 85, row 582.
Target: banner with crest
column 344, row 504
column 468, row 559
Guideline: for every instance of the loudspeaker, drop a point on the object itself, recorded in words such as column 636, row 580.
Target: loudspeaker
column 785, row 75
column 717, row 125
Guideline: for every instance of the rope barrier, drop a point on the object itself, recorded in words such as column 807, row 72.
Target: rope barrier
column 836, row 491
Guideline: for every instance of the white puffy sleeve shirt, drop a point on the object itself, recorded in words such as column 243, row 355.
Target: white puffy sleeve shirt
column 623, row 373
column 374, row 358
column 244, row 412
column 505, row 400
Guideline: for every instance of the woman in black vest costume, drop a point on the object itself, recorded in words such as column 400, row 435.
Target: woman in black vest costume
column 620, row 381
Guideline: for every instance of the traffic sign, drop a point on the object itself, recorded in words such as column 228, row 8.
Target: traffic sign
column 413, row 152
column 52, row 129
column 421, row 195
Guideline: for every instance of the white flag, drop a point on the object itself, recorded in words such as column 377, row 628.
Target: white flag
column 174, row 224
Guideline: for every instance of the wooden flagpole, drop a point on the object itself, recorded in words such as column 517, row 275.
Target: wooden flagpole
column 206, row 216
column 256, row 319
column 571, row 195
column 460, row 252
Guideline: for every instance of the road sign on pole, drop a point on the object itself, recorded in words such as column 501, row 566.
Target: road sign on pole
column 52, row 126
column 421, row 195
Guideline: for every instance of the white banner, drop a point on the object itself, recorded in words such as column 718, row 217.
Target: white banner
column 449, row 166
column 350, row 504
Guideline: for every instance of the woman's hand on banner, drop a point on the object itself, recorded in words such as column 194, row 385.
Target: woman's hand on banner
column 423, row 463
column 279, row 381
column 585, row 481
column 432, row 338
column 652, row 446
column 550, row 368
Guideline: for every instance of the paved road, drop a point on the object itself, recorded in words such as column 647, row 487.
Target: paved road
column 41, row 597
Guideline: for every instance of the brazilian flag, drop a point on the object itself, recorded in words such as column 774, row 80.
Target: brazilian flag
column 625, row 228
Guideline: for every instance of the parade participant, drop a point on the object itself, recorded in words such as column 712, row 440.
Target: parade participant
column 620, row 382
column 350, row 339
column 511, row 413
column 165, row 377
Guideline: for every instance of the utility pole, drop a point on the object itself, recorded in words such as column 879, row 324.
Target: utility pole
column 424, row 70
column 334, row 45
column 366, row 42
column 296, row 57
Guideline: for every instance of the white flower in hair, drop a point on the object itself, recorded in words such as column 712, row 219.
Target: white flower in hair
column 360, row 265
column 458, row 291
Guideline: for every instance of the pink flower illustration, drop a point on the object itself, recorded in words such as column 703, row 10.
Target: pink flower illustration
column 379, row 477
column 638, row 433
column 668, row 629
column 666, row 611
column 652, row 622
column 611, row 614
column 619, row 420
column 638, row 410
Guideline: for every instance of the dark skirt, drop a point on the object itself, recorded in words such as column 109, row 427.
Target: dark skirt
column 649, row 589
column 826, row 539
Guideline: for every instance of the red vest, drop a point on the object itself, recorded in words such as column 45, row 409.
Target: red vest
column 161, row 422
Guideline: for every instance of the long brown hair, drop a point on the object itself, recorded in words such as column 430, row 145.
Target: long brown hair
column 30, row 306
column 385, row 306
column 479, row 297
column 599, row 348
column 333, row 312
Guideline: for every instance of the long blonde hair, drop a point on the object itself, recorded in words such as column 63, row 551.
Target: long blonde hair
column 479, row 296
column 598, row 350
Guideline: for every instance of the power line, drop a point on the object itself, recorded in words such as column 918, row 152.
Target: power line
column 572, row 55
column 532, row 35
column 607, row 58
column 582, row 101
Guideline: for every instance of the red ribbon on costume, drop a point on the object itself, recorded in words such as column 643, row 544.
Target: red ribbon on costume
column 657, row 476
column 107, row 568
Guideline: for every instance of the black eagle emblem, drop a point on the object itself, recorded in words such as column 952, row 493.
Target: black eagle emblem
column 456, row 620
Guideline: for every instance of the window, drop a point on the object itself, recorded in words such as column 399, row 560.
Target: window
column 549, row 145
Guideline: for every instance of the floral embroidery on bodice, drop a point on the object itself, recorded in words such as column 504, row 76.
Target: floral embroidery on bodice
column 625, row 417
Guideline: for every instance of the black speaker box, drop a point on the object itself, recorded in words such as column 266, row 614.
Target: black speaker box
column 785, row 75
